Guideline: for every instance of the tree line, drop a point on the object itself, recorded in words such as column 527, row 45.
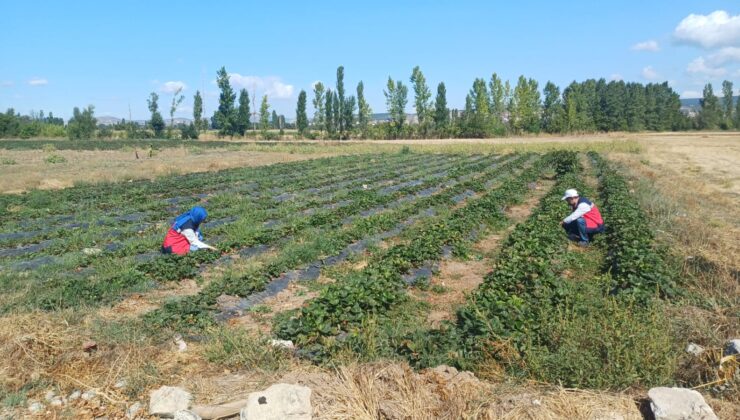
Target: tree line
column 493, row 107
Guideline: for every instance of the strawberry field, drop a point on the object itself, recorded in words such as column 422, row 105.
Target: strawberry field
column 363, row 238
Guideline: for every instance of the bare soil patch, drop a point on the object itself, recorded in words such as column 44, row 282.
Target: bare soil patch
column 459, row 277
column 260, row 322
column 138, row 304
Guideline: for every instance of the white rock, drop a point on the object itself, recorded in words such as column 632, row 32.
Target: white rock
column 89, row 394
column 75, row 395
column 133, row 410
column 694, row 349
column 49, row 396
column 181, row 344
column 286, row 344
column 732, row 347
column 35, row 407
column 186, row 415
column 120, row 384
column 56, row 402
column 279, row 402
column 165, row 401
column 679, row 404
column 91, row 251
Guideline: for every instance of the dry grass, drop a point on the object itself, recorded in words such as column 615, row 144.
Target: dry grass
column 700, row 221
column 32, row 171
column 394, row 391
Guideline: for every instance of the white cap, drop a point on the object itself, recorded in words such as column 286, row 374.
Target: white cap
column 570, row 193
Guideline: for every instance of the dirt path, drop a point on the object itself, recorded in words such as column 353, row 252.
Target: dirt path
column 457, row 278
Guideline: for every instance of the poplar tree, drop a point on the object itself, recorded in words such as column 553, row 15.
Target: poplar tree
column 441, row 112
column 301, row 119
column 156, row 121
column 318, row 106
column 710, row 114
column 198, row 112
column 553, row 112
column 336, row 114
column 225, row 115
column 498, row 106
column 329, row 113
column 274, row 121
column 243, row 114
column 396, row 98
column 264, row 115
column 727, row 103
column 363, row 110
column 348, row 115
column 339, row 104
column 177, row 99
column 422, row 96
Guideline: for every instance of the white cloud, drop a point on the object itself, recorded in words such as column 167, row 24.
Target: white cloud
column 37, row 81
column 650, row 45
column 616, row 77
column 691, row 94
column 6, row 83
column 717, row 29
column 172, row 87
column 649, row 73
column 272, row 86
column 700, row 66
column 724, row 56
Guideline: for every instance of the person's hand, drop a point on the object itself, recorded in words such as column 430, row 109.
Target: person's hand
column 562, row 223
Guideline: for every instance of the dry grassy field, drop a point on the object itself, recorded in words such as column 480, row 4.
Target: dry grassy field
column 687, row 184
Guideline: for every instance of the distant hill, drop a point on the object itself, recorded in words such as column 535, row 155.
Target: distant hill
column 695, row 103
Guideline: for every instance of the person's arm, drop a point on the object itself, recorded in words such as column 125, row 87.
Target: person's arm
column 192, row 237
column 582, row 209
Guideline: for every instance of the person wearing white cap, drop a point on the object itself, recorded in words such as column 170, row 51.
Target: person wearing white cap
column 585, row 219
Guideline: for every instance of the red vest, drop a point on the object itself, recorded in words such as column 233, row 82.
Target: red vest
column 178, row 243
column 592, row 217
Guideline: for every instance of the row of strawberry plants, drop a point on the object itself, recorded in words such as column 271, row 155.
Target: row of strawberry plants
column 122, row 273
column 638, row 268
column 130, row 277
column 342, row 307
column 524, row 279
column 147, row 195
column 327, row 219
column 105, row 197
column 226, row 205
column 196, row 310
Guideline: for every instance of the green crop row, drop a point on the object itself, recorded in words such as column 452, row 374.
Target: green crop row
column 524, row 278
column 173, row 267
column 533, row 320
column 342, row 307
column 195, row 311
column 637, row 267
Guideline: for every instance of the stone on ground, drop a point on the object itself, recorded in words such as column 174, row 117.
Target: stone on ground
column 732, row 347
column 35, row 407
column 694, row 349
column 165, row 401
column 186, row 415
column 133, row 410
column 278, row 402
column 679, row 404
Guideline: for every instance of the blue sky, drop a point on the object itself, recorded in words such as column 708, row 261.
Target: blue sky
column 57, row 55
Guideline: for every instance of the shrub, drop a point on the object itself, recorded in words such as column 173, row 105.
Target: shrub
column 54, row 158
column 599, row 341
column 7, row 161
